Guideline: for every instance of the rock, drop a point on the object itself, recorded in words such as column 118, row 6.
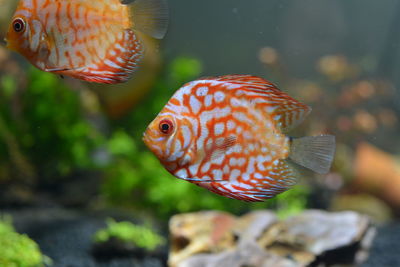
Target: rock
column 250, row 226
column 309, row 236
column 319, row 231
column 249, row 255
column 260, row 239
column 195, row 233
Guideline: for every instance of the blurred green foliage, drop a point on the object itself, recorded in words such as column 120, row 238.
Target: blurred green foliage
column 18, row 250
column 49, row 126
column 127, row 232
column 54, row 134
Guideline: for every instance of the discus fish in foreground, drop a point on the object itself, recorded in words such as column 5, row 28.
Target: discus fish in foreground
column 92, row 40
column 226, row 134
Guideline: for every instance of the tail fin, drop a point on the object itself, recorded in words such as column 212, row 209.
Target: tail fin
column 314, row 152
column 149, row 16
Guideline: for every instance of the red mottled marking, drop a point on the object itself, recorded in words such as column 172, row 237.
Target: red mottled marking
column 81, row 56
column 46, row 4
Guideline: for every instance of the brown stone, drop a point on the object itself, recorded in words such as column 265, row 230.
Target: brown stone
column 216, row 239
column 194, row 233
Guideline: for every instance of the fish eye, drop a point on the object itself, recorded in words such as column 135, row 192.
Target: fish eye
column 19, row 25
column 166, row 126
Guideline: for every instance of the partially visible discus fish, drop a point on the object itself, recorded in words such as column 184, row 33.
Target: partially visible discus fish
column 226, row 134
column 91, row 40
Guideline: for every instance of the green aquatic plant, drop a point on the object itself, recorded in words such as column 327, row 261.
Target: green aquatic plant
column 57, row 127
column 44, row 126
column 18, row 250
column 129, row 233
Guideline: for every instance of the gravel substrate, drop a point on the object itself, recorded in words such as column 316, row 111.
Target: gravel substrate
column 386, row 248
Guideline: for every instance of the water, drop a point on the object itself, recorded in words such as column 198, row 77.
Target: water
column 65, row 143
column 233, row 31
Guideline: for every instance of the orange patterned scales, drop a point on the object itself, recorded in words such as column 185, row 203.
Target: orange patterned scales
column 226, row 134
column 90, row 40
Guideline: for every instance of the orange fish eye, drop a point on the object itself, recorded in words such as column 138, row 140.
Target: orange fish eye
column 166, row 126
column 18, row 25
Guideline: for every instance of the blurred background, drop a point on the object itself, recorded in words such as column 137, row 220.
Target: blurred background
column 68, row 145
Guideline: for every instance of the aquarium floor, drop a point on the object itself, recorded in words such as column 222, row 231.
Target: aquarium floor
column 65, row 236
column 385, row 249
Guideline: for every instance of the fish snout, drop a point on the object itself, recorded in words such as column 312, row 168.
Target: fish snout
column 146, row 139
column 149, row 137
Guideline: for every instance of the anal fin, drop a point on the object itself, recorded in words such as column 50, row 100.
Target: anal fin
column 280, row 178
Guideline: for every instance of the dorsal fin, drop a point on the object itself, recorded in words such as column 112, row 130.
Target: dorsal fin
column 246, row 80
column 149, row 16
column 285, row 111
column 289, row 113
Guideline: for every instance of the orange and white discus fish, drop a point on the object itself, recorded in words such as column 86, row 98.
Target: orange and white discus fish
column 91, row 40
column 226, row 134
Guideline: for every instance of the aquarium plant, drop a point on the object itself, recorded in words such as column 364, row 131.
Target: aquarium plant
column 18, row 250
column 129, row 233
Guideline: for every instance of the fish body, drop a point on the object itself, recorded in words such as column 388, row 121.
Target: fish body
column 227, row 134
column 96, row 41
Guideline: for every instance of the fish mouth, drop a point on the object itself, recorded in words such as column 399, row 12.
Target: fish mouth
column 148, row 136
column 9, row 44
column 145, row 139
column 6, row 42
column 153, row 146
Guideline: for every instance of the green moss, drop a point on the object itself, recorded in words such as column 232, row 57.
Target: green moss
column 49, row 125
column 127, row 232
column 18, row 249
